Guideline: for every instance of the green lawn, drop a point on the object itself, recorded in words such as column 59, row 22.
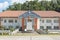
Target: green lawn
column 30, row 34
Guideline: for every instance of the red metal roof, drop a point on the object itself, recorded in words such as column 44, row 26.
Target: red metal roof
column 40, row 13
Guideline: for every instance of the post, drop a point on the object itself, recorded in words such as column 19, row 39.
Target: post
column 35, row 23
column 23, row 24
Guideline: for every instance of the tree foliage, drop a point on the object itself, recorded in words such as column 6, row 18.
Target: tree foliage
column 35, row 5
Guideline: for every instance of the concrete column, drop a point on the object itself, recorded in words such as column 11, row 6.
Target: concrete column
column 22, row 24
column 52, row 27
column 38, row 23
column 28, row 18
column 35, row 23
column 45, row 26
column 59, row 23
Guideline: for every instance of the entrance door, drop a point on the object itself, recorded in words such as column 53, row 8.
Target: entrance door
column 29, row 25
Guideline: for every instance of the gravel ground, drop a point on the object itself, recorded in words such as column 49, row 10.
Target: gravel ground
column 30, row 37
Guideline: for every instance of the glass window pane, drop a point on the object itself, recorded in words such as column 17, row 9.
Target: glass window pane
column 56, row 27
column 48, row 21
column 48, row 27
column 41, row 27
column 42, row 21
column 4, row 21
column 15, row 21
column 10, row 21
column 56, row 21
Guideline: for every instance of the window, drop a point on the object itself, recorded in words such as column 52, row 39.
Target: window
column 56, row 21
column 42, row 21
column 4, row 21
column 56, row 27
column 10, row 27
column 1, row 19
column 41, row 27
column 15, row 21
column 10, row 21
column 17, row 27
column 49, row 27
column 48, row 21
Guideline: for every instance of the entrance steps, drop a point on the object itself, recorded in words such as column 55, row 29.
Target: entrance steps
column 40, row 31
column 15, row 31
column 27, row 34
column 28, row 31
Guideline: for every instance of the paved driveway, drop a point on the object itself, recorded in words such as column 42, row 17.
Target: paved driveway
column 29, row 37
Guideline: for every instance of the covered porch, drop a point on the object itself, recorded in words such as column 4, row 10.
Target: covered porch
column 29, row 21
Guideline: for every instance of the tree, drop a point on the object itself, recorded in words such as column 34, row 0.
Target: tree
column 58, row 6
column 35, row 5
column 15, row 6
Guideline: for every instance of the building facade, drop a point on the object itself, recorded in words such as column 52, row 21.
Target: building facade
column 30, row 20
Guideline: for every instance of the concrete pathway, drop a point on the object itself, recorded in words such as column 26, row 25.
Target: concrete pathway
column 30, row 37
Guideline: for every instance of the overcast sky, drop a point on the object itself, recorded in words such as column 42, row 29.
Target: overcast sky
column 5, row 3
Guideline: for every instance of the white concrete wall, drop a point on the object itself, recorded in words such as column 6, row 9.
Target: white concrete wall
column 52, row 24
column 7, row 24
column 39, row 22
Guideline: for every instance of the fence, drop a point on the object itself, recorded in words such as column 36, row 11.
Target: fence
column 5, row 31
column 53, row 31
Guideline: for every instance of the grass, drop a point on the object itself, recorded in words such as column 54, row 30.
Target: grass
column 4, row 34
column 29, row 34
